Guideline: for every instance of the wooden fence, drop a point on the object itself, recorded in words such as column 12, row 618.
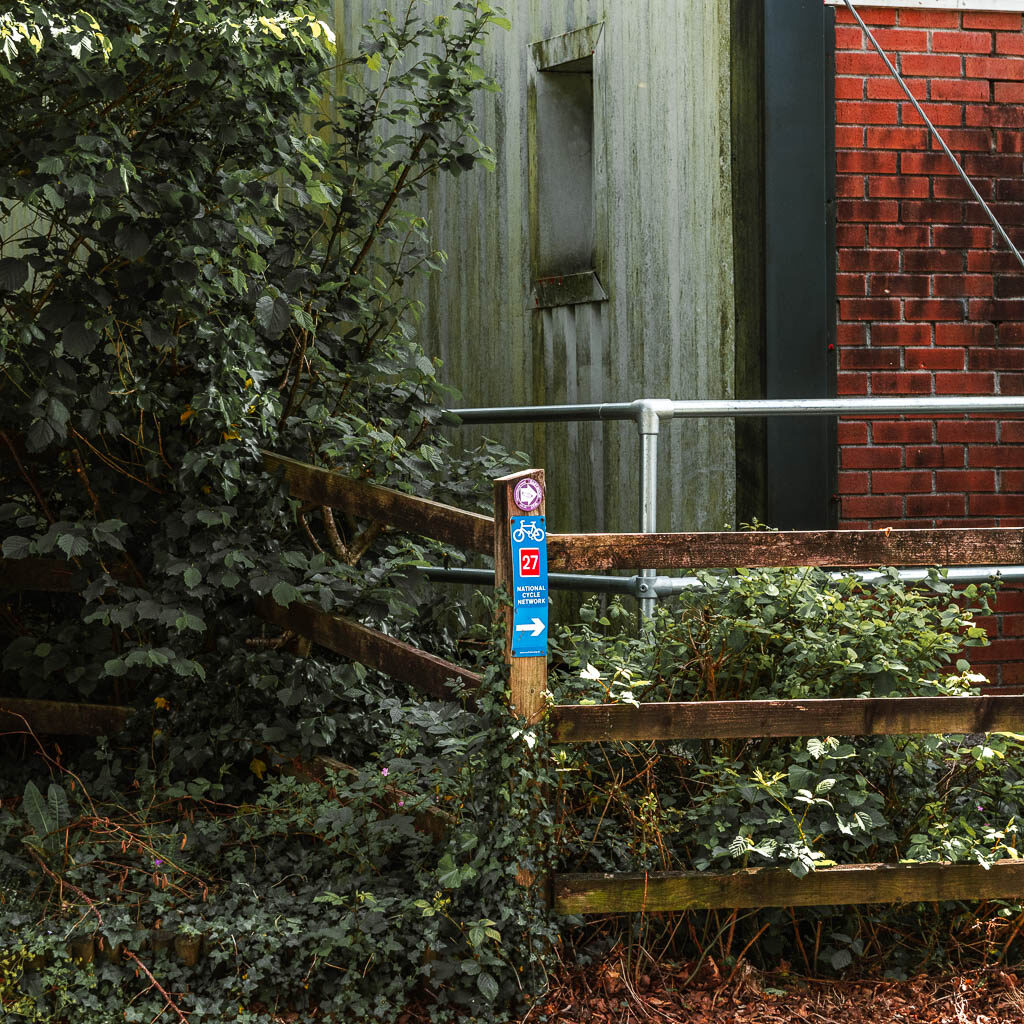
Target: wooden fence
column 571, row 723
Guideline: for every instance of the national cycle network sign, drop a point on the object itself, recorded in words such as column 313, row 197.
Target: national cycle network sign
column 529, row 587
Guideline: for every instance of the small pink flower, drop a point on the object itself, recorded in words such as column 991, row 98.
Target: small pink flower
column 401, row 803
column 383, row 771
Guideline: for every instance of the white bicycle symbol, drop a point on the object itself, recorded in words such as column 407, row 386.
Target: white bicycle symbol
column 528, row 531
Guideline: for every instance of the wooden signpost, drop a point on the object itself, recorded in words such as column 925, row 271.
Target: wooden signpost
column 528, row 677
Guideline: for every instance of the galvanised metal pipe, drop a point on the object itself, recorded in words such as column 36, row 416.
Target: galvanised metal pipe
column 953, row 405
column 547, row 413
column 648, row 502
column 714, row 408
column 661, row 587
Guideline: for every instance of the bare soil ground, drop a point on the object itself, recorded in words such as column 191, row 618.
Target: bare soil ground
column 610, row 993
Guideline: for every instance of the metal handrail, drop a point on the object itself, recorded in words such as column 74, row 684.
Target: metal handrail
column 648, row 413
column 658, row 588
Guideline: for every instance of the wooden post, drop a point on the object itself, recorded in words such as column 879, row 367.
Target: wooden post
column 528, row 677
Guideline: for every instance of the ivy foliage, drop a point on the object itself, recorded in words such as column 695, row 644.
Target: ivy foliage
column 208, row 222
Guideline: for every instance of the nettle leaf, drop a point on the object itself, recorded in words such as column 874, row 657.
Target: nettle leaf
column 17, row 547
column 273, row 315
column 73, row 545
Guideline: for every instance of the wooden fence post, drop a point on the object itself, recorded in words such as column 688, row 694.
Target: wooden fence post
column 528, row 677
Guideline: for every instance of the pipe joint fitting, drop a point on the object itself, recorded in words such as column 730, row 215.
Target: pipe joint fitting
column 649, row 412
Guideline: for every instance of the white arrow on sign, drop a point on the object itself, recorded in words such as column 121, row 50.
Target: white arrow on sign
column 534, row 628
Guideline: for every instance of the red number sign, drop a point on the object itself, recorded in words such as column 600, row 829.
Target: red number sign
column 529, row 561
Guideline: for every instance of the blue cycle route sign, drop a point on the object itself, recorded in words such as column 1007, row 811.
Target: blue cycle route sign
column 529, row 587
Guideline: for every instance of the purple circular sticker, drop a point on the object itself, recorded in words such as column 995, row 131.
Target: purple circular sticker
column 528, row 494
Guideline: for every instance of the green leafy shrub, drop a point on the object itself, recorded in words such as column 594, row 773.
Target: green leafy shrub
column 207, row 222
column 802, row 804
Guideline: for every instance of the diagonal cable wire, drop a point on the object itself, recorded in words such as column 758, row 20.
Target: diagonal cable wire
column 935, row 132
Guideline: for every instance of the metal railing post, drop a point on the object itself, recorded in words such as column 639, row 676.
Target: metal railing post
column 648, row 421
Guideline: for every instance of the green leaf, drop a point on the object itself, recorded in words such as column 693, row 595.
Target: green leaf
column 132, row 242
column 193, row 577
column 191, row 622
column 79, row 340
column 841, row 958
column 36, row 810
column 58, row 804
column 50, row 165
column 273, row 315
column 284, row 593
column 448, row 874
column 17, row 547
column 40, row 434
column 72, row 545
column 488, row 986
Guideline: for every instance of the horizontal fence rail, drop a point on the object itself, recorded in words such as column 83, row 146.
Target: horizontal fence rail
column 426, row 672
column 445, row 523
column 61, row 718
column 855, row 549
column 755, row 719
column 777, row 887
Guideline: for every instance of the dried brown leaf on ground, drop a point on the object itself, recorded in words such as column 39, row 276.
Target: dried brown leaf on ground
column 611, row 992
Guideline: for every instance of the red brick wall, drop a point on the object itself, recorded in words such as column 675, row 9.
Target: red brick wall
column 929, row 301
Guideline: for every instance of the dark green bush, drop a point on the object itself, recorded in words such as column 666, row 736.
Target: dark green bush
column 207, row 225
